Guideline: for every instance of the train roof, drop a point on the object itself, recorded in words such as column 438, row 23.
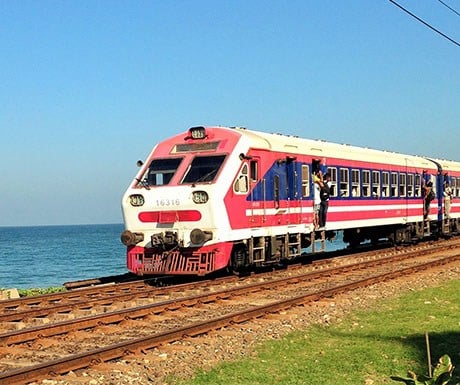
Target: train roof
column 448, row 165
column 322, row 148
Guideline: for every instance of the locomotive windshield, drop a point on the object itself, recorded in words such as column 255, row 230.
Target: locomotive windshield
column 161, row 171
column 203, row 169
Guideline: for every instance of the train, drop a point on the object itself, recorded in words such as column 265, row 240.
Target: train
column 218, row 198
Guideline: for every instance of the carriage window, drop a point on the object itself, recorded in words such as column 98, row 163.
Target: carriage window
column 385, row 184
column 402, row 185
column 254, row 168
column 455, row 186
column 366, row 183
column 241, row 182
column 376, row 184
column 394, row 184
column 203, row 169
column 160, row 172
column 344, row 189
column 333, row 173
column 418, row 185
column 305, row 180
column 355, row 183
column 410, row 185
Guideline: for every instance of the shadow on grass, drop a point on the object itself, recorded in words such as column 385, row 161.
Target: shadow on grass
column 440, row 344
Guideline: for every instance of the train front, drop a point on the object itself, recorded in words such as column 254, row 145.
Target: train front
column 175, row 222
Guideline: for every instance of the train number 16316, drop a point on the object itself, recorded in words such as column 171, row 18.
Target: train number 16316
column 167, row 202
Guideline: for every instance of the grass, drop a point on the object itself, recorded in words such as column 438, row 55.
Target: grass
column 39, row 291
column 365, row 348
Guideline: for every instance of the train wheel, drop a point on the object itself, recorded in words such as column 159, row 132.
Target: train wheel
column 239, row 259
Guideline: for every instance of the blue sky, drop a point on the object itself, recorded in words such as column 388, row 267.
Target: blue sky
column 88, row 87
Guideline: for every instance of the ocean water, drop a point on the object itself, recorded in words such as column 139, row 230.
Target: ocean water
column 44, row 256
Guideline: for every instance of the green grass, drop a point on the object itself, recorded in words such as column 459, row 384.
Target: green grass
column 366, row 348
column 39, row 291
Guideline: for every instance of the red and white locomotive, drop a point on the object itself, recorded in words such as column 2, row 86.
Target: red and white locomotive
column 218, row 197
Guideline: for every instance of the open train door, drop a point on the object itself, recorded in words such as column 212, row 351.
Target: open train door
column 294, row 191
column 257, row 202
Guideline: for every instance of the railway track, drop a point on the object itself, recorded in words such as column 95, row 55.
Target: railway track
column 33, row 311
column 199, row 310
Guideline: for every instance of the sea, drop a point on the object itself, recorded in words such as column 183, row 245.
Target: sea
column 49, row 256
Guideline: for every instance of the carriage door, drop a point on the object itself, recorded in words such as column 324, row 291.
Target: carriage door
column 257, row 194
column 293, row 190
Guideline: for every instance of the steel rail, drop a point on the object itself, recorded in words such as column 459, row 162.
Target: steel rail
column 86, row 359
column 84, row 293
column 83, row 303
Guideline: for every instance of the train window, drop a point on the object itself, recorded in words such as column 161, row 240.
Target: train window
column 385, row 184
column 366, row 183
column 402, row 184
column 241, row 183
column 410, row 185
column 254, row 170
column 376, row 184
column 305, row 180
column 203, row 169
column 160, row 172
column 394, row 184
column 418, row 185
column 344, row 179
column 458, row 186
column 333, row 173
column 355, row 183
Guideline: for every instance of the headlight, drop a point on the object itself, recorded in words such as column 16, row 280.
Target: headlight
column 197, row 132
column 200, row 197
column 136, row 200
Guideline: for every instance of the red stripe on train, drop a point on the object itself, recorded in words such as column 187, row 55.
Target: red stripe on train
column 170, row 216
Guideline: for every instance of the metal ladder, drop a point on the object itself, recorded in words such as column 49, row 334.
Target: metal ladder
column 321, row 239
column 257, row 249
column 292, row 245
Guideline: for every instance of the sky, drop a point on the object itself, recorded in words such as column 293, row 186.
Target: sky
column 89, row 87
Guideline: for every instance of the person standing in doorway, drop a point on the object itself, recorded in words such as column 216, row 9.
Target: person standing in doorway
column 317, row 183
column 447, row 198
column 324, row 196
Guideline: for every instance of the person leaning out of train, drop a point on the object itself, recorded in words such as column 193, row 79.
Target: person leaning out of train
column 447, row 198
column 317, row 183
column 324, row 196
column 428, row 196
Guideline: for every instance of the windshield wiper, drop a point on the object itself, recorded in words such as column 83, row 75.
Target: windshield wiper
column 206, row 176
column 143, row 183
